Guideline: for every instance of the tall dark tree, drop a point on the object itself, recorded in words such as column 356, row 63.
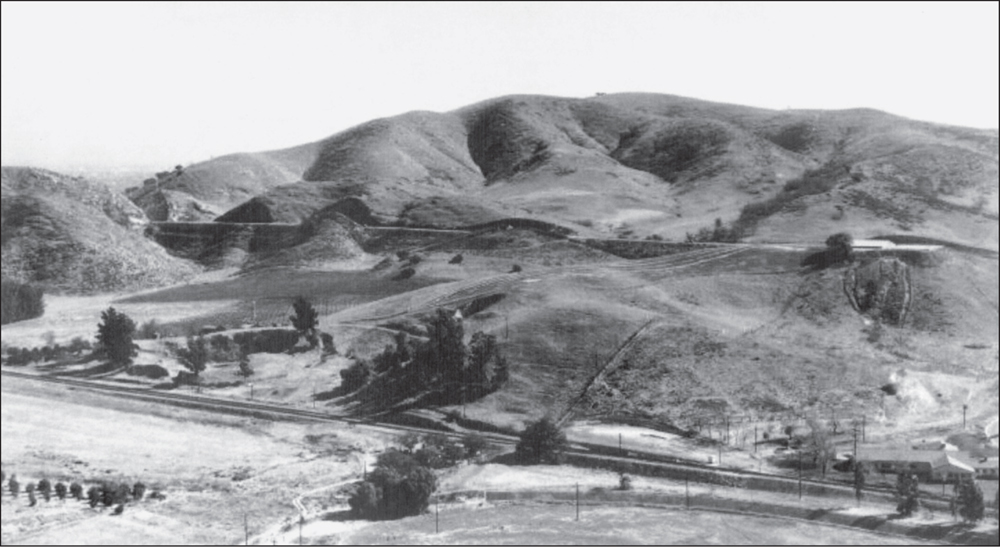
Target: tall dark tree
column 442, row 358
column 487, row 368
column 907, row 494
column 840, row 248
column 305, row 320
column 398, row 488
column 195, row 356
column 14, row 486
column 45, row 489
column 61, row 491
column 76, row 491
column 246, row 371
column 542, row 442
column 860, row 478
column 968, row 500
column 94, row 496
column 114, row 337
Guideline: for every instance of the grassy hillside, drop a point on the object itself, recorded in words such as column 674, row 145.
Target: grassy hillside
column 635, row 165
column 205, row 190
column 68, row 235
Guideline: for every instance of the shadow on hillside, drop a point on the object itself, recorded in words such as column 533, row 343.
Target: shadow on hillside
column 99, row 370
column 338, row 516
column 869, row 523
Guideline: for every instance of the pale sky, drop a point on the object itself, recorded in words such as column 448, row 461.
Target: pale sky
column 154, row 85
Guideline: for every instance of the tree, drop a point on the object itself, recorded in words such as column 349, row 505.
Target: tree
column 246, row 371
column 61, row 491
column 139, row 491
column 94, row 497
column 114, row 337
column 907, row 494
column 195, row 356
column 474, row 445
column 487, row 370
column 45, row 489
column 840, row 248
column 14, row 486
column 329, row 348
column 860, row 478
column 305, row 320
column 968, row 500
column 542, row 442
column 398, row 488
column 32, row 501
column 442, row 358
column 76, row 491
column 355, row 376
column 456, row 260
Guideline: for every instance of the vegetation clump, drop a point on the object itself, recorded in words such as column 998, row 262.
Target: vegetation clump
column 114, row 338
column 541, row 443
column 20, row 302
column 400, row 487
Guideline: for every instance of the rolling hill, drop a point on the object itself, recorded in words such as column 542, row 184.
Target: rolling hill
column 633, row 164
column 70, row 235
column 205, row 190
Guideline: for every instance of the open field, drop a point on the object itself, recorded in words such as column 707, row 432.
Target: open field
column 212, row 468
column 556, row 525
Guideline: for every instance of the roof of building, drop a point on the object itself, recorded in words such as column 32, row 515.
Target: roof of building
column 933, row 458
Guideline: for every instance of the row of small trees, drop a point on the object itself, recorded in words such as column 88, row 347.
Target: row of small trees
column 107, row 494
column 967, row 499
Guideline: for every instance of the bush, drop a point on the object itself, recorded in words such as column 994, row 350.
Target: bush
column 45, row 489
column 907, row 495
column 20, row 302
column 968, row 500
column 625, row 483
column 389, row 494
column 542, row 442
column 148, row 331
column 139, row 491
column 14, row 486
column 76, row 491
column 328, row 346
column 405, row 273
column 245, row 371
column 268, row 341
column 355, row 376
column 61, row 491
column 474, row 444
column 457, row 259
column 516, row 269
column 93, row 496
column 305, row 319
column 114, row 337
column 78, row 345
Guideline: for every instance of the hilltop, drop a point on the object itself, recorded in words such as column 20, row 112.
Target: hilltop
column 70, row 235
column 205, row 190
column 635, row 165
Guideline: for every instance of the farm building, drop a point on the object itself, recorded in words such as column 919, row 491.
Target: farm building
column 987, row 469
column 928, row 466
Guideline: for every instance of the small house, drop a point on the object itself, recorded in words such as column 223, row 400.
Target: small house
column 928, row 466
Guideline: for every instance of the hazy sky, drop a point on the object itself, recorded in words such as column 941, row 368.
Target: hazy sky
column 160, row 84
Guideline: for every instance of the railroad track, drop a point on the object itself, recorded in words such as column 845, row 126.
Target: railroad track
column 599, row 454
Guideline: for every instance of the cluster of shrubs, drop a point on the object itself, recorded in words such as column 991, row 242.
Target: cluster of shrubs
column 20, row 302
column 106, row 494
column 444, row 367
column 403, row 482
column 19, row 357
column 720, row 233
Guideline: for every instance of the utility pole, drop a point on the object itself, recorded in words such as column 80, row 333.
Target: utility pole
column 864, row 429
column 621, row 451
column 437, row 515
column 965, row 409
column 246, row 529
column 302, row 521
column 687, row 493
column 754, row 438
